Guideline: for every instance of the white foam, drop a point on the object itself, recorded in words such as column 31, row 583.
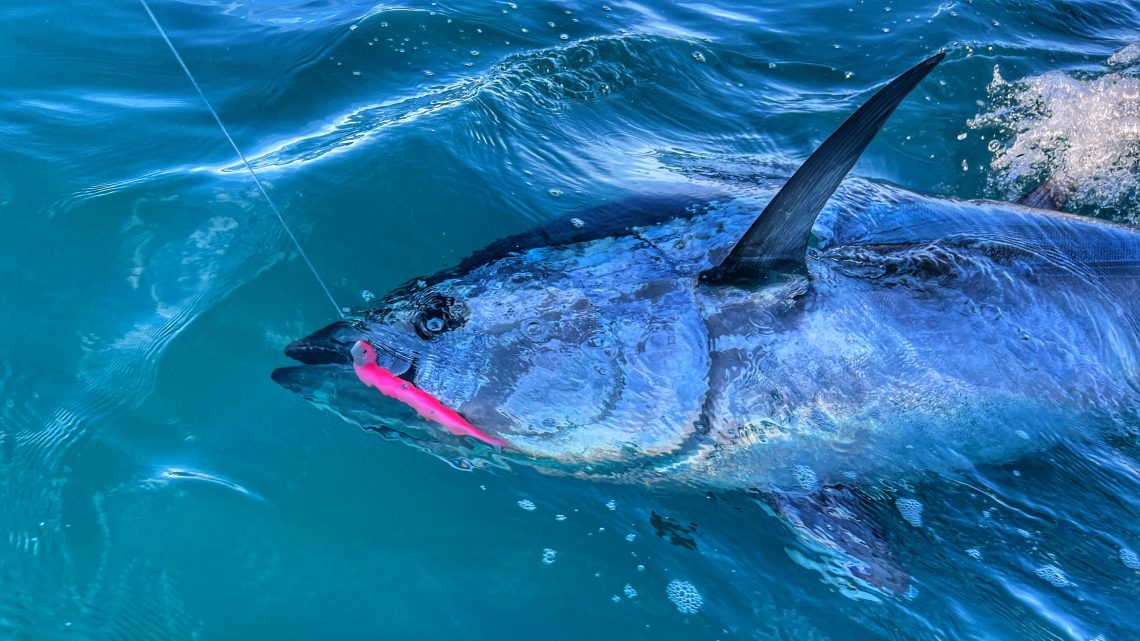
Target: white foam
column 911, row 511
column 805, row 478
column 1080, row 133
column 1054, row 575
column 685, row 596
column 1127, row 56
column 1129, row 559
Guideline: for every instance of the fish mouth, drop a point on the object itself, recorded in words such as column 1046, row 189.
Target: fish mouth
column 332, row 353
column 332, row 345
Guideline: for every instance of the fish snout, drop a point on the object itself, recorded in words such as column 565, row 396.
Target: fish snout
column 348, row 343
column 331, row 345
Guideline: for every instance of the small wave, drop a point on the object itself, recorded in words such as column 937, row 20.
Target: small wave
column 545, row 79
column 175, row 474
column 1079, row 132
column 93, row 192
column 306, row 15
column 355, row 127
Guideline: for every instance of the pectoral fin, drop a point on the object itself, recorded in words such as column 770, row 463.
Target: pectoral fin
column 840, row 520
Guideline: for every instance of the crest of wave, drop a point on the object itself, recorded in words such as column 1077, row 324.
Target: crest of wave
column 1081, row 133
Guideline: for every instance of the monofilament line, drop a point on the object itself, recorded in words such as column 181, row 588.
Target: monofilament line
column 244, row 160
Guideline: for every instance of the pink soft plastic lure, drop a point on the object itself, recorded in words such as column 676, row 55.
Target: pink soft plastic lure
column 426, row 405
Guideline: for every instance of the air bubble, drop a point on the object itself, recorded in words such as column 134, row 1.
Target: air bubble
column 631, row 537
column 611, row 505
column 527, row 505
column 1129, row 559
column 578, row 223
column 911, row 511
column 685, row 596
column 805, row 478
column 1125, row 56
column 629, row 592
column 559, row 517
column 698, row 56
column 1054, row 575
column 548, row 556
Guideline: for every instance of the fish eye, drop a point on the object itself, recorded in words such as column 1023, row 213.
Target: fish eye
column 430, row 322
column 438, row 314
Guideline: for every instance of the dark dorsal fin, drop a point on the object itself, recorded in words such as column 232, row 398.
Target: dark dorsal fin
column 778, row 240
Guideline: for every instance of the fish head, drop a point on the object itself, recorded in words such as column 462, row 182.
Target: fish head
column 572, row 356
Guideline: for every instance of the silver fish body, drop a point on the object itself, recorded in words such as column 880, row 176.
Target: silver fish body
column 926, row 334
column 699, row 340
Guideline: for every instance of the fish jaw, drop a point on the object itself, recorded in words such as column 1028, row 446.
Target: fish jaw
column 426, row 405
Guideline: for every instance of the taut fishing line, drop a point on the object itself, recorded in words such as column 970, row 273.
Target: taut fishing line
column 244, row 160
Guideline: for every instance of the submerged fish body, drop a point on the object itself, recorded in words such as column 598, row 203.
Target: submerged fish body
column 684, row 338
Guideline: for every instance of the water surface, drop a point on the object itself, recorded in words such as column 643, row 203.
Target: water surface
column 158, row 484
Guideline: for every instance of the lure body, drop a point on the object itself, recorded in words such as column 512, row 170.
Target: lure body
column 426, row 405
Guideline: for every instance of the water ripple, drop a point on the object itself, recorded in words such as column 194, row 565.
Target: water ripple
column 542, row 80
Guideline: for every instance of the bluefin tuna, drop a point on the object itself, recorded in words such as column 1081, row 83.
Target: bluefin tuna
column 685, row 339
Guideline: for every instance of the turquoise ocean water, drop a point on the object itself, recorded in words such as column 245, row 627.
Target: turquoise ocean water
column 156, row 484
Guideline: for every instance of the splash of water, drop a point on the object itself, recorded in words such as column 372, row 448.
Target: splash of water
column 1079, row 132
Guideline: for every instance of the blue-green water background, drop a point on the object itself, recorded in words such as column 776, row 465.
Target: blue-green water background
column 157, row 484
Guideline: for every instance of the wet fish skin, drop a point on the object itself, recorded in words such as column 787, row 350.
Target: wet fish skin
column 927, row 334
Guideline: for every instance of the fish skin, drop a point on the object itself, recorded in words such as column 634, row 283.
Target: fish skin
column 928, row 334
